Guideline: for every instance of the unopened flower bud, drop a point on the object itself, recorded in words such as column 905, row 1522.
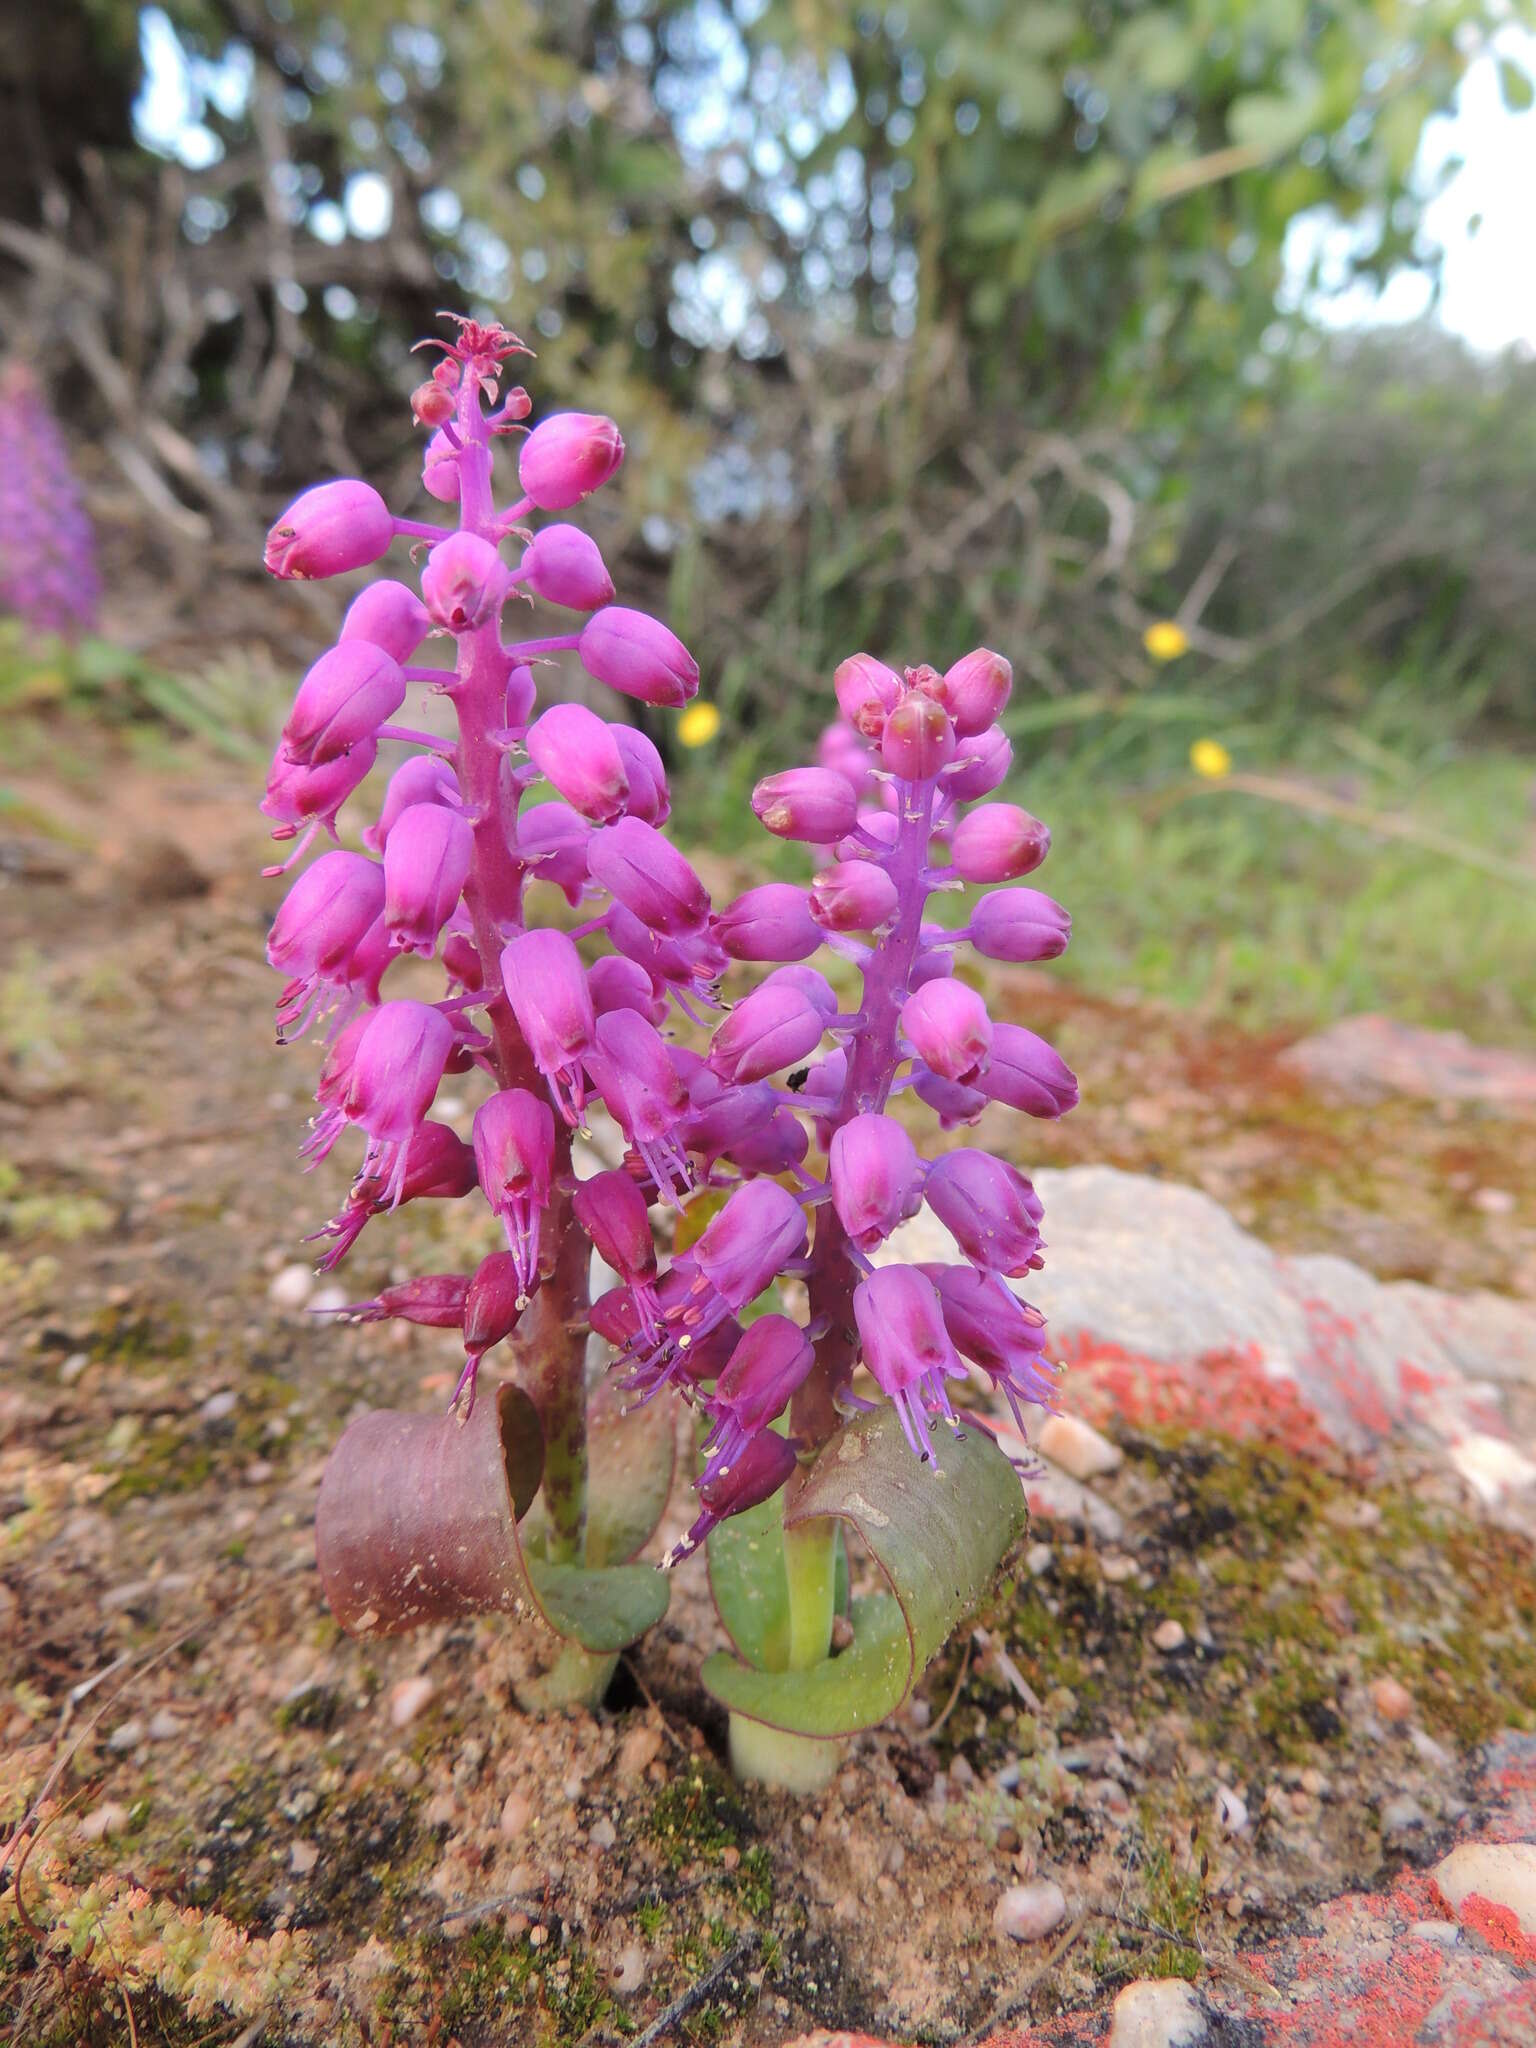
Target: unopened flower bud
column 329, row 530
column 493, row 1304
column 775, row 1026
column 440, row 469
column 975, row 690
column 426, row 864
column 435, row 1301
column 1028, row 1074
column 1019, row 924
column 638, row 655
column 576, row 751
column 980, row 764
column 813, row 804
column 762, row 1467
column 867, row 693
column 325, row 915
column 563, row 565
column 648, row 875
column 876, row 1178
column 464, row 583
column 949, row 1029
column 424, row 779
column 771, row 922
column 552, row 842
column 649, row 797
column 918, row 739
column 611, row 1210
column 998, row 843
column 619, row 984
column 432, row 404
column 346, row 696
column 853, row 896
column 388, row 615
column 297, row 793
column 567, row 457
column 991, row 1209
column 841, row 750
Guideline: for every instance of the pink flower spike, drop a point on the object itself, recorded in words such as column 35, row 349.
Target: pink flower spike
column 949, row 1030
column 542, row 974
column 464, row 583
column 514, row 1134
column 426, row 864
column 991, row 1209
column 387, row 615
column 816, row 805
column 638, row 655
column 424, row 779
column 1019, row 924
column 564, row 566
column 648, row 876
column 567, row 457
column 575, row 751
column 853, row 896
column 772, row 922
column 876, row 1178
column 975, row 690
column 329, row 530
column 342, row 701
column 998, row 843
column 907, row 1348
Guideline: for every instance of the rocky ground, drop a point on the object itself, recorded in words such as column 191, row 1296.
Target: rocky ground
column 1260, row 1667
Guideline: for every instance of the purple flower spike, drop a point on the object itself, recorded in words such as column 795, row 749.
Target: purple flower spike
column 777, row 1024
column 542, row 974
column 426, row 864
column 567, row 457
column 464, row 583
column 976, row 689
column 329, row 530
column 853, row 896
column 575, row 750
column 876, row 1178
column 396, row 1068
column 949, row 1029
column 907, row 1348
column 390, row 616
column 756, row 1476
column 648, row 876
column 995, row 1330
column 773, row 922
column 343, row 700
column 998, row 843
column 768, row 1365
column 991, row 1209
column 564, row 566
column 814, row 804
column 48, row 572
column 424, row 779
column 757, row 1234
column 638, row 655
column 1019, row 924
column 514, row 1157
column 1028, row 1074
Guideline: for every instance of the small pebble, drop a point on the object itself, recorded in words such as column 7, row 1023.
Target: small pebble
column 516, row 1812
column 602, row 1834
column 1117, row 1567
column 1077, row 1447
column 407, row 1699
column 164, row 1726
column 1503, row 1873
column 1494, row 1201
column 127, row 1735
column 538, row 1935
column 1038, row 1559
column 842, row 1634
column 291, row 1287
column 730, row 1857
column 329, row 1300
column 302, row 1858
column 1168, row 1636
column 72, row 1367
column 1391, row 1699
column 1029, row 1912
column 639, row 1750
column 1157, row 2012
column 107, row 1819
column 1231, row 1810
column 1401, row 1819
column 219, row 1405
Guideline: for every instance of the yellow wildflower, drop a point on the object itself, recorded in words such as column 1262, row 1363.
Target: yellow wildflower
column 1165, row 641
column 698, row 724
column 1210, row 759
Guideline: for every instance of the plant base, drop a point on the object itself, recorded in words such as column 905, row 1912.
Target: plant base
column 761, row 1755
column 574, row 1678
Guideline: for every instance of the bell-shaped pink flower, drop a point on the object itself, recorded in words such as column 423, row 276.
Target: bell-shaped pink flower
column 434, row 1163
column 995, row 1330
column 759, row 1471
column 759, row 1232
column 907, row 1348
column 298, row 794
column 567, row 457
column 612, row 1211
column 951, row 1103
column 690, row 960
column 853, row 896
column 343, row 700
column 1028, row 1074
column 329, row 530
column 464, row 583
column 387, row 615
column 546, row 985
column 991, row 1209
column 318, row 931
column 576, row 751
column 975, row 690
column 760, row 1379
column 494, row 1304
column 1019, row 924
column 649, row 797
column 867, row 693
column 552, row 842
column 565, row 566
column 619, row 984
column 980, row 764
column 424, row 779
column 638, row 655
column 632, row 1069
column 998, row 843
column 435, row 1301
column 948, row 1028
column 816, row 805
column 426, row 864
column 514, row 1135
column 918, row 739
column 396, row 1068
column 876, row 1178
column 771, row 922
column 648, row 875
column 778, row 1024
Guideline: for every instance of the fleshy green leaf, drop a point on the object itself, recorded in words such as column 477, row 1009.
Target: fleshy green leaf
column 603, row 1610
column 751, row 1591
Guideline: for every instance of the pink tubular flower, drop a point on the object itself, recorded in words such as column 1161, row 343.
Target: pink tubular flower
column 918, row 739
column 552, row 841
column 564, row 566
column 424, row 779
column 772, row 1360
column 611, row 1210
column 1028, row 1074
column 514, row 1135
column 493, row 1306
column 649, row 798
column 853, row 896
column 876, row 1178
column 434, row 1302
column 396, row 1067
column 615, row 983
column 841, row 750
column 328, row 530
column 638, row 655
column 720, row 1118
column 390, row 616
column 464, row 583
column 975, row 690
column 907, row 1348
column 814, row 804
column 632, row 1070
column 567, row 457
column 773, row 922
column 575, row 751
column 342, row 701
column 998, row 843
column 426, row 864
column 991, row 1209
column 323, row 920
column 867, row 693
column 949, row 1029
column 547, row 988
column 434, row 1164
column 756, row 1235
column 775, row 1026
column 757, row 1475
column 1019, row 924
column 298, row 795
column 648, row 876
column 994, row 1329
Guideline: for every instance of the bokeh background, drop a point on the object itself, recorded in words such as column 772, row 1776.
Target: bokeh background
column 1181, row 352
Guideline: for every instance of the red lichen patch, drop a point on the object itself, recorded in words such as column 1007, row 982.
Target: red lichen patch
column 1499, row 1926
column 1332, row 1337
column 1225, row 1392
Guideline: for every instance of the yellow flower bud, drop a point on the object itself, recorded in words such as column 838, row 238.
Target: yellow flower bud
column 1165, row 641
column 1210, row 759
column 698, row 724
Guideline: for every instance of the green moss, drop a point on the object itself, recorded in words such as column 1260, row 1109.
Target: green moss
column 699, row 1815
